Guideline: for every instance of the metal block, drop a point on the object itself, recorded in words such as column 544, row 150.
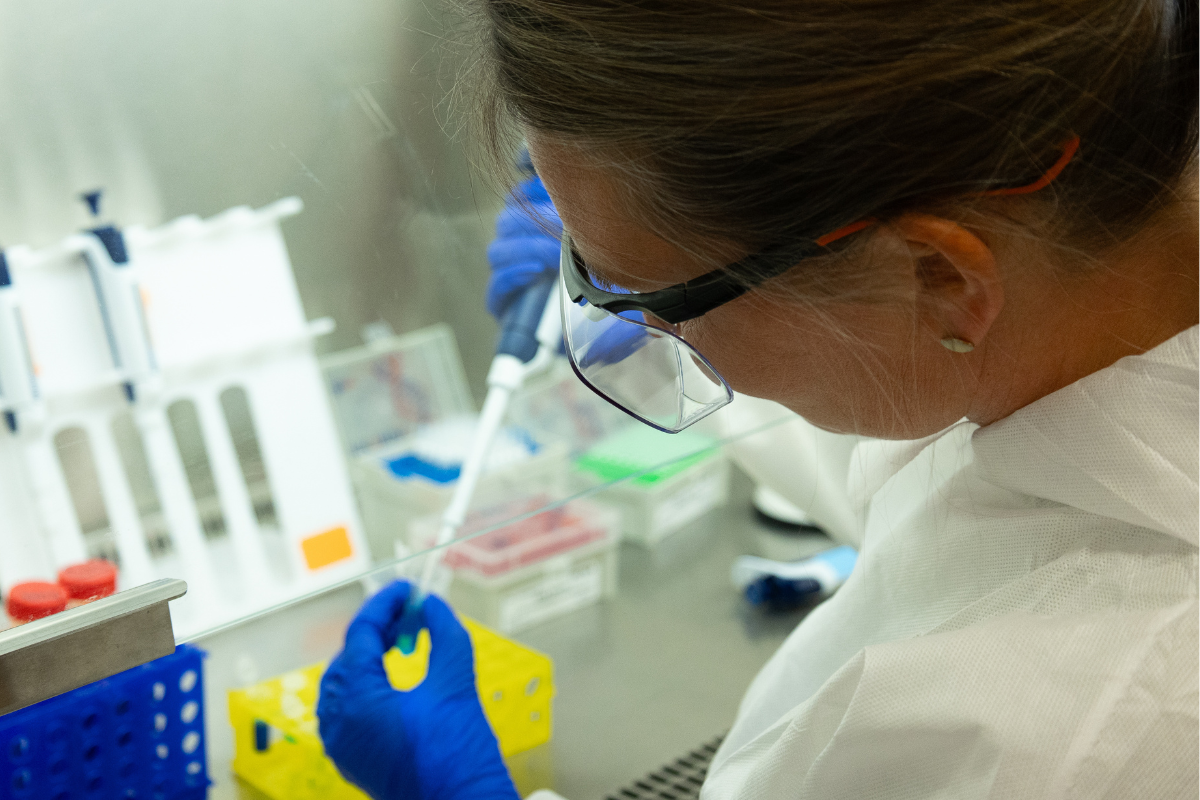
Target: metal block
column 74, row 648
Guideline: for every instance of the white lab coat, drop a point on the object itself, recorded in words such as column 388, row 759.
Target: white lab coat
column 1022, row 621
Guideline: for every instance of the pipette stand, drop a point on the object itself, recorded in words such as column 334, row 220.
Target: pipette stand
column 185, row 312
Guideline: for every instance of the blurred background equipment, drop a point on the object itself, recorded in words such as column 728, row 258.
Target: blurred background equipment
column 184, row 392
column 197, row 107
column 139, row 733
column 142, row 326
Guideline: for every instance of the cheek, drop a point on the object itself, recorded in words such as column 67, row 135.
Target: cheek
column 840, row 371
column 744, row 349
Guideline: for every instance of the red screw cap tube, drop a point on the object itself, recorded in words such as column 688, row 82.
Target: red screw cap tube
column 89, row 580
column 34, row 600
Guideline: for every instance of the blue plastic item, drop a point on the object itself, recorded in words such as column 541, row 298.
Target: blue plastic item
column 138, row 735
column 410, row 466
column 92, row 199
column 779, row 594
column 114, row 242
column 783, row 585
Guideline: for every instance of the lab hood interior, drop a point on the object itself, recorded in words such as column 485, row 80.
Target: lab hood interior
column 244, row 344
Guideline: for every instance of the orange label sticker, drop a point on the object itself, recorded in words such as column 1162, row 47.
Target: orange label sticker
column 327, row 547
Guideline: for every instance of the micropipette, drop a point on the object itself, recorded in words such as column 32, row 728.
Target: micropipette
column 530, row 336
column 24, row 410
column 122, row 305
column 19, row 392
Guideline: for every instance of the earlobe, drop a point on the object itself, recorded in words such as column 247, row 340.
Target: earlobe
column 956, row 345
column 959, row 285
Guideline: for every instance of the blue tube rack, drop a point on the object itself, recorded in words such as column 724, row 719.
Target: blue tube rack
column 138, row 735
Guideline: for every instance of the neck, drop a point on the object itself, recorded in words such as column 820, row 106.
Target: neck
column 1063, row 329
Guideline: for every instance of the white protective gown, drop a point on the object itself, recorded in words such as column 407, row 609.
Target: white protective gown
column 1022, row 621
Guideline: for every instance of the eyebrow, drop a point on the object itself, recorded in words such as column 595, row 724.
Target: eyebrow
column 601, row 277
column 595, row 274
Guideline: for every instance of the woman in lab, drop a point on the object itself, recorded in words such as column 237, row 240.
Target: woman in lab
column 965, row 231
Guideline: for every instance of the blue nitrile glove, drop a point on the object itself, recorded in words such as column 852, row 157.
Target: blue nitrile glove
column 430, row 743
column 524, row 250
column 616, row 343
column 526, row 246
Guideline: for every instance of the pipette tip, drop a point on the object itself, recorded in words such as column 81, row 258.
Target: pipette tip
column 410, row 625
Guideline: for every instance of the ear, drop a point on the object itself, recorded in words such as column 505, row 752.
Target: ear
column 959, row 289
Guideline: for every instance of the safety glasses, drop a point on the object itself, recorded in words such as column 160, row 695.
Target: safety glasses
column 624, row 347
column 623, row 344
column 648, row 372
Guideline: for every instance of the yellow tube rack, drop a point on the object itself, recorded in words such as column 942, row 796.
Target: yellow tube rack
column 278, row 751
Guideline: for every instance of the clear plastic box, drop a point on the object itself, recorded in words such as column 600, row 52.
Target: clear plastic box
column 406, row 416
column 416, row 477
column 534, row 569
column 556, row 405
column 388, row 389
column 691, row 479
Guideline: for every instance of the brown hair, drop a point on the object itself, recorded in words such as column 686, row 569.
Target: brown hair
column 769, row 121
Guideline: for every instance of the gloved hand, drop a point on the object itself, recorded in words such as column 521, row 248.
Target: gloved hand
column 430, row 743
column 615, row 343
column 526, row 247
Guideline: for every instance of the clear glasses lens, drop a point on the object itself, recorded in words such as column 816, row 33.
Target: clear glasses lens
column 649, row 373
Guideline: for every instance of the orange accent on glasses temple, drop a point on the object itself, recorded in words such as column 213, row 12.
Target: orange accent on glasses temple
column 1069, row 150
column 853, row 227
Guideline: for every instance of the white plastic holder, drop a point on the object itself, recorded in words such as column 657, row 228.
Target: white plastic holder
column 202, row 306
column 651, row 513
column 517, row 598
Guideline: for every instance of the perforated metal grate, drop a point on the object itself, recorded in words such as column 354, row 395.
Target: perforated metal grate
column 679, row 780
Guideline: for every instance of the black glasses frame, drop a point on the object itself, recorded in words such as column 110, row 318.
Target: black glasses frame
column 697, row 297
column 689, row 299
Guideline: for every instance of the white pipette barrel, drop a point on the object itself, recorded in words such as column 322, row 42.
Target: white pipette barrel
column 490, row 419
column 507, row 373
column 18, row 378
column 24, row 412
column 122, row 310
